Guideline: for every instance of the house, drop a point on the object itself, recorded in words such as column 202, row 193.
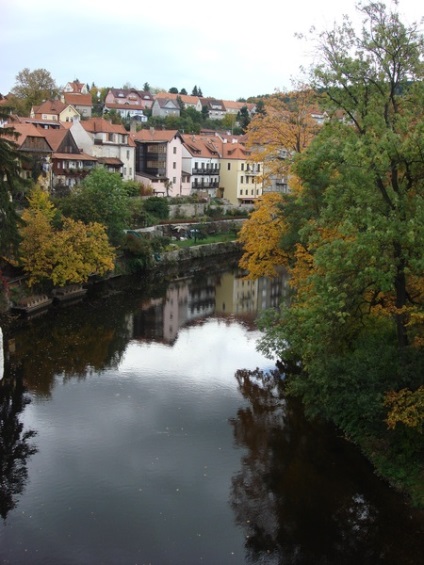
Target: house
column 34, row 147
column 240, row 180
column 109, row 143
column 55, row 110
column 129, row 103
column 215, row 108
column 76, row 87
column 201, row 164
column 158, row 161
column 78, row 95
column 163, row 107
column 187, row 100
column 68, row 165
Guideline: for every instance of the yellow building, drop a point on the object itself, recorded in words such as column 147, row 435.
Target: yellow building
column 240, row 180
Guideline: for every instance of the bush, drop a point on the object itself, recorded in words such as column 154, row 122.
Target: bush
column 157, row 207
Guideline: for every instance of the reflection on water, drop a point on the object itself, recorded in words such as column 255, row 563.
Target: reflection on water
column 303, row 495
column 15, row 445
column 159, row 423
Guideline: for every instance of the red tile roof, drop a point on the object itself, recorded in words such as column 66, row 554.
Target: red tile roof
column 101, row 125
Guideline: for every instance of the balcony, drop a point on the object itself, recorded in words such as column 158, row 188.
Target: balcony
column 201, row 186
column 195, row 171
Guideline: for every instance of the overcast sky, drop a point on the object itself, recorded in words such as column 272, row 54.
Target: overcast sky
column 228, row 49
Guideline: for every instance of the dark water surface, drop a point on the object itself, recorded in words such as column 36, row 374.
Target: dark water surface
column 139, row 431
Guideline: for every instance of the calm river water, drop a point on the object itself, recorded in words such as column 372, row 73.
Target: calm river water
column 143, row 427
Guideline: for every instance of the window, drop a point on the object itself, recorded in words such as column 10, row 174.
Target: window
column 228, row 166
column 174, row 165
column 128, row 154
column 241, row 180
column 174, row 150
column 242, row 166
column 246, row 193
column 259, row 168
column 174, row 180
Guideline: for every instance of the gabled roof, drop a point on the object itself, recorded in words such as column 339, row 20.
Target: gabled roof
column 167, row 103
column 77, row 99
column 76, row 86
column 200, row 146
column 101, row 125
column 185, row 98
column 125, row 92
column 55, row 137
column 213, row 103
column 50, row 107
column 26, row 130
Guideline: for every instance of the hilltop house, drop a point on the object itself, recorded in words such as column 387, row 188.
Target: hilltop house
column 129, row 103
column 163, row 107
column 55, row 110
column 77, row 95
column 188, row 101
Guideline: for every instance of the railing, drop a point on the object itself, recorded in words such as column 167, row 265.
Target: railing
column 195, row 171
column 205, row 185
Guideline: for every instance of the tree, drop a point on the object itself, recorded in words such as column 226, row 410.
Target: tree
column 284, row 128
column 173, row 90
column 102, row 198
column 146, row 87
column 355, row 234
column 66, row 254
column 243, row 118
column 33, row 87
column 183, row 91
column 260, row 236
column 197, row 91
column 10, row 183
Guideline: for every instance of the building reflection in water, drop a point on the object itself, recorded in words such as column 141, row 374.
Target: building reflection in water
column 191, row 299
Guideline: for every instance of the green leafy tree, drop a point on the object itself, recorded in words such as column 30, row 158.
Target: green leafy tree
column 243, row 118
column 33, row 87
column 103, row 198
column 10, row 184
column 173, row 90
column 183, row 91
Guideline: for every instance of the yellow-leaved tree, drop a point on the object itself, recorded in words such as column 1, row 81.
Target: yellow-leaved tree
column 285, row 127
column 63, row 255
column 260, row 236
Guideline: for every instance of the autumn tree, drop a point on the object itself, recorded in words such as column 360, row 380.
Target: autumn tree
column 283, row 128
column 261, row 235
column 33, row 87
column 60, row 250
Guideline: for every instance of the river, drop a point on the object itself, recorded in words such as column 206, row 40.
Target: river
column 142, row 426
